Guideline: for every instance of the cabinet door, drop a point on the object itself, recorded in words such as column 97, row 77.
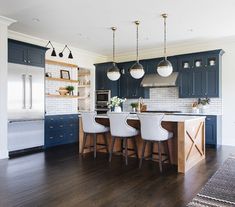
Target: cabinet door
column 211, row 136
column 17, row 53
column 186, row 89
column 36, row 57
column 103, row 82
column 199, row 83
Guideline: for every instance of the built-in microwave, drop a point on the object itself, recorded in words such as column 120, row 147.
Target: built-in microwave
column 103, row 96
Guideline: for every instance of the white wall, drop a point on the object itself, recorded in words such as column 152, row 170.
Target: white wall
column 228, row 75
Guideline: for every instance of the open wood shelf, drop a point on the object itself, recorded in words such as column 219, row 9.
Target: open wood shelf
column 83, row 86
column 53, row 62
column 61, row 79
column 64, row 96
column 83, row 74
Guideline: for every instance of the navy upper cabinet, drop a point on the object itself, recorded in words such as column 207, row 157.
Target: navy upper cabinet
column 130, row 87
column 199, row 74
column 26, row 54
column 103, row 82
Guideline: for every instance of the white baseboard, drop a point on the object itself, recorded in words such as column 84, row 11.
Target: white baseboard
column 4, row 154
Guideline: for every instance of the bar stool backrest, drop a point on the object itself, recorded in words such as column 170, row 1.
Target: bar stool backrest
column 119, row 126
column 89, row 124
column 151, row 128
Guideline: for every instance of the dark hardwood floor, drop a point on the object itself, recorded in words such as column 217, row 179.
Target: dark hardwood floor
column 60, row 177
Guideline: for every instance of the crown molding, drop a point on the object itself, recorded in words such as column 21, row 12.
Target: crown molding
column 6, row 21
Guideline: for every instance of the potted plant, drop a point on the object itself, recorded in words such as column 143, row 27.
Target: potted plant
column 70, row 90
column 134, row 106
column 203, row 102
column 115, row 103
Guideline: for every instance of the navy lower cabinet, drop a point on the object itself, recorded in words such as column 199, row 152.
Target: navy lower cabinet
column 213, row 131
column 61, row 129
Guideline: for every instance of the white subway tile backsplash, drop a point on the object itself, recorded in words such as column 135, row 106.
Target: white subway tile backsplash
column 166, row 99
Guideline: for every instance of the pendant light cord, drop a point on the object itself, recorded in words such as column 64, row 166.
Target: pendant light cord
column 165, row 36
column 113, row 44
column 137, row 42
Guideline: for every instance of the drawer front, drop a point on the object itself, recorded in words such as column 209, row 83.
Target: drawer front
column 61, row 129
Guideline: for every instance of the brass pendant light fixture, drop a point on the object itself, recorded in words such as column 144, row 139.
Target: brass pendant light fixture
column 137, row 70
column 113, row 72
column 165, row 68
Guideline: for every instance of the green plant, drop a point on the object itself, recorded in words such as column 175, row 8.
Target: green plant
column 204, row 101
column 134, row 104
column 70, row 88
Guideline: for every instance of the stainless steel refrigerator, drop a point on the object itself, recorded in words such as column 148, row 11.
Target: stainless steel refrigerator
column 25, row 107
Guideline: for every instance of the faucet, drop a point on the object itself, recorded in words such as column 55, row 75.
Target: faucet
column 140, row 102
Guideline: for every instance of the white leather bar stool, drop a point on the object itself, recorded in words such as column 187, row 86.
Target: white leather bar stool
column 119, row 128
column 90, row 126
column 153, row 132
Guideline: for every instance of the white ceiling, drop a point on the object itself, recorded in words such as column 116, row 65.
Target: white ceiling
column 85, row 24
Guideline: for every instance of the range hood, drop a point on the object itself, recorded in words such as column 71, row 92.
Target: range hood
column 157, row 81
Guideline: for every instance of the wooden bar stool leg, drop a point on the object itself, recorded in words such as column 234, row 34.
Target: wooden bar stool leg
column 111, row 150
column 160, row 156
column 126, row 152
column 151, row 150
column 168, row 152
column 84, row 142
column 135, row 147
column 106, row 142
column 142, row 153
column 94, row 145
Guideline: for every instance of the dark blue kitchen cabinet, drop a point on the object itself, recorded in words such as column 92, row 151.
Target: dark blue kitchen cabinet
column 61, row 129
column 103, row 82
column 26, row 54
column 199, row 74
column 213, row 131
column 129, row 87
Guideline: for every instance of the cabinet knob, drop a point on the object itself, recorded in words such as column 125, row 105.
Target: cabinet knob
column 25, row 61
column 61, row 126
column 61, row 136
column 28, row 61
column 51, row 137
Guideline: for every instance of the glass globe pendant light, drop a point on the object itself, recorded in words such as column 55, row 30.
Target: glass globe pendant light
column 164, row 68
column 137, row 70
column 113, row 72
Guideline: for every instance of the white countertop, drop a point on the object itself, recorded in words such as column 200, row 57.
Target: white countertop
column 167, row 118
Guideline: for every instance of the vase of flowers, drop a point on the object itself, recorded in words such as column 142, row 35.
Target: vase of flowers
column 195, row 108
column 115, row 104
column 203, row 102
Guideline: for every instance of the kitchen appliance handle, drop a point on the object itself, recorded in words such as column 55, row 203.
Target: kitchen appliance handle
column 30, row 92
column 24, row 94
column 24, row 120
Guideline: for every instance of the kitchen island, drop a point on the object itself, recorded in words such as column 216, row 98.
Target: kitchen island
column 187, row 147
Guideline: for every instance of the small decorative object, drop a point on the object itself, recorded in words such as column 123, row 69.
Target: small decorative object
column 186, row 65
column 195, row 108
column 70, row 90
column 62, row 91
column 203, row 103
column 64, row 74
column 134, row 106
column 198, row 63
column 48, row 74
column 212, row 62
column 115, row 103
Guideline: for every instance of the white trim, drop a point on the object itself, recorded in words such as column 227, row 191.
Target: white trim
column 4, row 154
column 7, row 21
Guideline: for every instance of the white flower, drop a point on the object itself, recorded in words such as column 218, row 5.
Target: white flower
column 115, row 101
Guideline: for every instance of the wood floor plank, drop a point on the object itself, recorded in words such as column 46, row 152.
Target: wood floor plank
column 60, row 177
